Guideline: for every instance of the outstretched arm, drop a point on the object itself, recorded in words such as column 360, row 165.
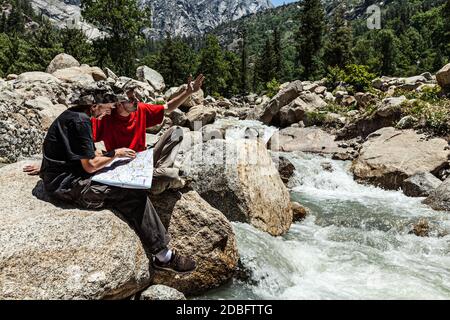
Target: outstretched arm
column 100, row 161
column 192, row 87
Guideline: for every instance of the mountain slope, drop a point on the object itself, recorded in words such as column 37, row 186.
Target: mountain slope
column 178, row 17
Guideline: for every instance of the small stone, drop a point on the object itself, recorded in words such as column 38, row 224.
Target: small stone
column 421, row 228
column 161, row 292
column 298, row 211
column 327, row 166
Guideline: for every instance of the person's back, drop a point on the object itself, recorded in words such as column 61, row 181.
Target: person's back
column 68, row 140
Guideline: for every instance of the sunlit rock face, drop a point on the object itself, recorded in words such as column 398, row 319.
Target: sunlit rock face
column 179, row 17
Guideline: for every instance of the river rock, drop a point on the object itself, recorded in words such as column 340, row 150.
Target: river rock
column 298, row 109
column 443, row 76
column 299, row 211
column 62, row 61
column 310, row 139
column 439, row 199
column 390, row 156
column 200, row 116
column 239, row 178
column 201, row 232
column 421, row 228
column 146, row 74
column 282, row 98
column 161, row 292
column 285, row 167
column 51, row 251
column 178, row 117
column 364, row 99
column 407, row 122
column 420, row 185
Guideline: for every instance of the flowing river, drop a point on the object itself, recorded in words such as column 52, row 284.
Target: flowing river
column 355, row 244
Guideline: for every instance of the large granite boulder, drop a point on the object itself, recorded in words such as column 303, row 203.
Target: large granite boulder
column 200, row 116
column 239, row 178
column 390, row 156
column 201, row 232
column 62, row 61
column 387, row 114
column 310, row 139
column 443, row 77
column 83, row 76
column 54, row 252
column 439, row 199
column 285, row 96
column 46, row 110
column 298, row 109
column 146, row 74
column 420, row 185
column 51, row 250
column 32, row 84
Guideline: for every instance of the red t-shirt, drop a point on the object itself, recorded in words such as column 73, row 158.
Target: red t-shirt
column 117, row 131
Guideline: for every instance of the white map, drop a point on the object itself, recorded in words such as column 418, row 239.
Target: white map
column 126, row 173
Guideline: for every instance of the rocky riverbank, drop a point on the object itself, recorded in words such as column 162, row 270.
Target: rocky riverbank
column 395, row 134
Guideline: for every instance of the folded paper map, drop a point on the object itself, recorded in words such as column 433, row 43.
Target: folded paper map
column 126, row 173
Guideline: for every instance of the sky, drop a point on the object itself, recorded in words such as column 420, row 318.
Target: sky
column 280, row 2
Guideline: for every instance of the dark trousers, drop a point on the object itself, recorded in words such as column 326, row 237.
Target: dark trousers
column 133, row 205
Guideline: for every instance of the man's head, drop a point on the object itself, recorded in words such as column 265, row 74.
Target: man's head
column 95, row 107
column 127, row 102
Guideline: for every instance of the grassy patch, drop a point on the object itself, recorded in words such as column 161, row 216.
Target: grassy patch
column 434, row 117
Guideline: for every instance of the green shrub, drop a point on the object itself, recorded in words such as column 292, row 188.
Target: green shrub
column 315, row 118
column 435, row 117
column 356, row 76
column 428, row 94
column 272, row 88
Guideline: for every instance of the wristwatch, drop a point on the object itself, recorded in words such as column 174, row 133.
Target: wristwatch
column 110, row 154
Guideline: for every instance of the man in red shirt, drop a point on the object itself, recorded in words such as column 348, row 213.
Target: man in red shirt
column 126, row 127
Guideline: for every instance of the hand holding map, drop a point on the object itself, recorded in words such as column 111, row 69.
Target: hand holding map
column 133, row 174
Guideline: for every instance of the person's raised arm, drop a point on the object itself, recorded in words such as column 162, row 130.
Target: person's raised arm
column 192, row 87
column 99, row 162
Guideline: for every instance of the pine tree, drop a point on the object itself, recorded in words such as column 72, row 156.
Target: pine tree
column 278, row 55
column 339, row 43
column 244, row 63
column 123, row 21
column 75, row 42
column 309, row 38
column 212, row 65
column 45, row 45
column 16, row 22
column 3, row 23
column 265, row 66
column 386, row 44
column 232, row 75
column 446, row 20
column 175, row 61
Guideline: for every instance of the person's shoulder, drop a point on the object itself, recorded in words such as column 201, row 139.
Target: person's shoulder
column 75, row 117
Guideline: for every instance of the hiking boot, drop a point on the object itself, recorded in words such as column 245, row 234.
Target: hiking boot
column 178, row 263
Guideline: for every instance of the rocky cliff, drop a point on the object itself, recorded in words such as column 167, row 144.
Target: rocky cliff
column 179, row 17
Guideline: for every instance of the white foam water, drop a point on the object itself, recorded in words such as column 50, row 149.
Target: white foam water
column 355, row 244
